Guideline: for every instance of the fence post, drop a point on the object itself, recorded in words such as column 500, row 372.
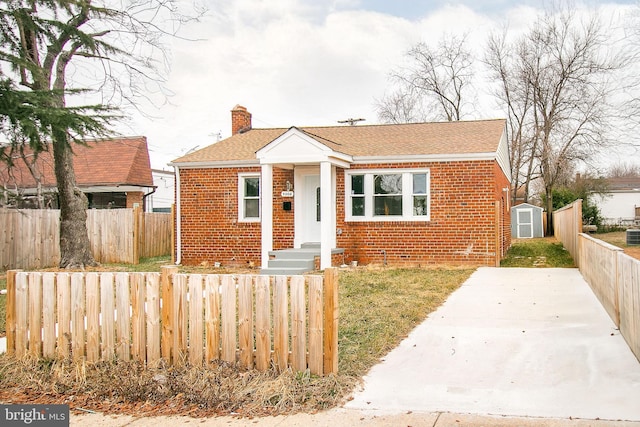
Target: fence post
column 11, row 312
column 173, row 233
column 136, row 234
column 166, row 283
column 331, row 313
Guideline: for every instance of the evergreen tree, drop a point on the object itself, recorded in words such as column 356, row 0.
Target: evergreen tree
column 39, row 40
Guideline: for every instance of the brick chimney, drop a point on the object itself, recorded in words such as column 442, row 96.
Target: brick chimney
column 240, row 120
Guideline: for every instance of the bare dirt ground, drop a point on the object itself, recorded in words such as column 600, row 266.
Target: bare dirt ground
column 619, row 239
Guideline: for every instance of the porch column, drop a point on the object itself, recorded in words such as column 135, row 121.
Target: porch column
column 266, row 212
column 327, row 214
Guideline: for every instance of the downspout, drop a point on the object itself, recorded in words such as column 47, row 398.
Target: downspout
column 178, row 222
column 144, row 197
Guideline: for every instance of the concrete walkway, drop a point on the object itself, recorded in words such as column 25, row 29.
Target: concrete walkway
column 517, row 342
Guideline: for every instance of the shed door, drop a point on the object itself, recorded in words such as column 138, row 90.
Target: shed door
column 525, row 223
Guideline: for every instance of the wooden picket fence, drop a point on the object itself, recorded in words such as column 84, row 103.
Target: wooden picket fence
column 254, row 320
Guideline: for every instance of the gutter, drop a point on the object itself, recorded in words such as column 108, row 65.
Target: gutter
column 178, row 222
column 154, row 188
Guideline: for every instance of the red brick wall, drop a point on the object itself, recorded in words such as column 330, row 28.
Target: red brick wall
column 502, row 184
column 283, row 221
column 210, row 228
column 210, row 231
column 134, row 197
column 462, row 229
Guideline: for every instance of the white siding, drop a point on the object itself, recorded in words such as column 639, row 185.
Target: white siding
column 615, row 207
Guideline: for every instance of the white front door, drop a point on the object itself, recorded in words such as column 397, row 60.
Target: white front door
column 310, row 230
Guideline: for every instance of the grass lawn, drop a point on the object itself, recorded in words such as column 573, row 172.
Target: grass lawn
column 539, row 252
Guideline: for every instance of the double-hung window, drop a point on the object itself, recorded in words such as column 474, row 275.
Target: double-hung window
column 249, row 197
column 387, row 195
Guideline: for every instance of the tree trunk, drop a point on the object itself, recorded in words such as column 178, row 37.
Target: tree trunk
column 75, row 250
column 549, row 203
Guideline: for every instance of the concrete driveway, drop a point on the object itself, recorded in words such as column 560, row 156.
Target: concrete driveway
column 515, row 342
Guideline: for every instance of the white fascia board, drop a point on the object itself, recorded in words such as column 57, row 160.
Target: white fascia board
column 112, row 188
column 424, row 158
column 33, row 191
column 627, row 191
column 213, row 165
column 92, row 189
column 342, row 161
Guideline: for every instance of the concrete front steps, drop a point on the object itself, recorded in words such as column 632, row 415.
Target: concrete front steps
column 294, row 261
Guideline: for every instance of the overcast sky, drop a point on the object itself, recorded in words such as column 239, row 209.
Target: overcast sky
column 307, row 62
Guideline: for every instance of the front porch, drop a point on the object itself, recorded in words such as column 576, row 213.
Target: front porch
column 314, row 201
column 299, row 260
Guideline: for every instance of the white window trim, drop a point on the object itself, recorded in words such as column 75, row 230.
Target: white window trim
column 407, row 195
column 241, row 178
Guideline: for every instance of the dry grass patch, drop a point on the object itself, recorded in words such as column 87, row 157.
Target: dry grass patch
column 619, row 239
column 130, row 388
column 378, row 308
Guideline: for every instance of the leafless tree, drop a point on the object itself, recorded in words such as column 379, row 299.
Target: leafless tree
column 556, row 81
column 624, row 170
column 436, row 84
column 400, row 107
column 514, row 92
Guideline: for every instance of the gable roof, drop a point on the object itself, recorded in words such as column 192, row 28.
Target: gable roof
column 109, row 162
column 526, row 206
column 411, row 139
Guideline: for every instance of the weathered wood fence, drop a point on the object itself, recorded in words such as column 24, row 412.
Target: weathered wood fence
column 30, row 238
column 255, row 320
column 613, row 276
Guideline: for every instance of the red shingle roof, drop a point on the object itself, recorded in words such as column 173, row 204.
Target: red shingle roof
column 463, row 137
column 119, row 161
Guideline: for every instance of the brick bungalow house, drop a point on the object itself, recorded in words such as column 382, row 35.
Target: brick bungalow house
column 113, row 173
column 407, row 194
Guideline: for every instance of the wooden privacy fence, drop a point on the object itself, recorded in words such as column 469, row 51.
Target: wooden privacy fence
column 30, row 238
column 613, row 276
column 567, row 224
column 615, row 279
column 255, row 320
column 599, row 267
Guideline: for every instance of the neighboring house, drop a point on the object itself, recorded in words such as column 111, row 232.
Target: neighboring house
column 621, row 204
column 113, row 173
column 408, row 194
column 163, row 197
column 526, row 221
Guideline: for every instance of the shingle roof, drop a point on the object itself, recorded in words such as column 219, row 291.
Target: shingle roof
column 463, row 137
column 118, row 161
column 624, row 184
